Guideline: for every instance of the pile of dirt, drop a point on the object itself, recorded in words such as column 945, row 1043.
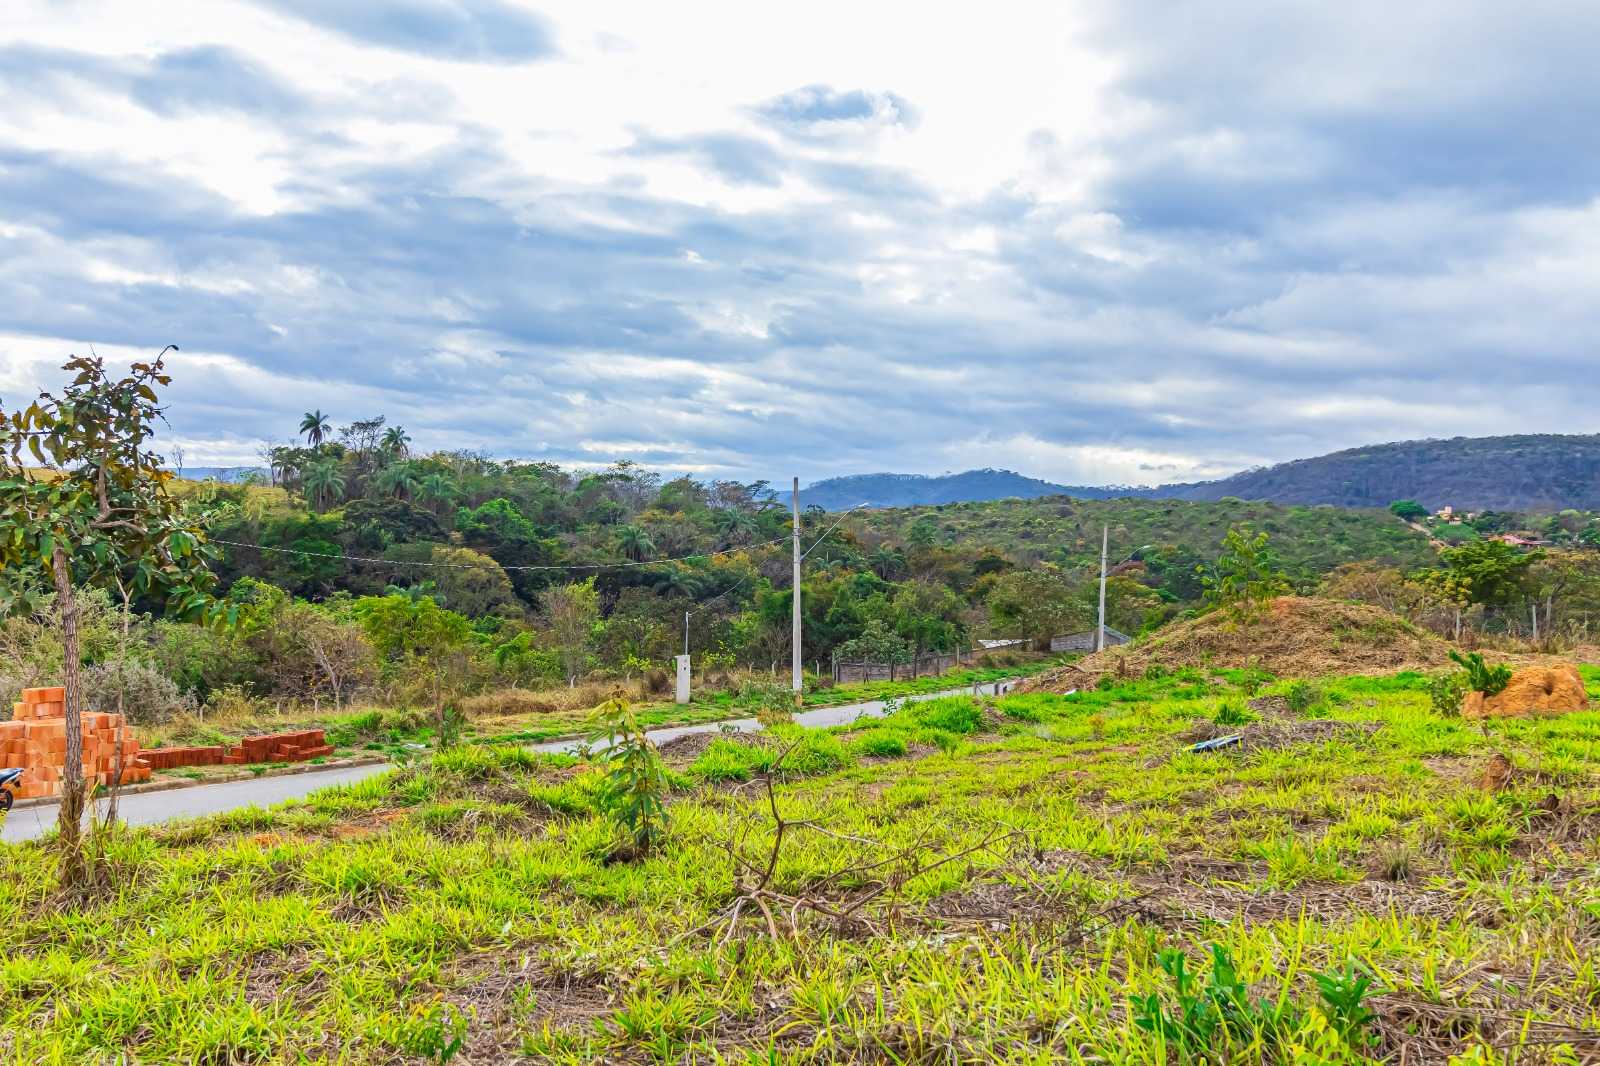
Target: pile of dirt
column 1536, row 690
column 1296, row 636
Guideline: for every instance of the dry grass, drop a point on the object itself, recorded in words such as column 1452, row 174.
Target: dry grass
column 1296, row 637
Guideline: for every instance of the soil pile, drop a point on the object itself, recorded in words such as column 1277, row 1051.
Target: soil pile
column 1537, row 690
column 1297, row 636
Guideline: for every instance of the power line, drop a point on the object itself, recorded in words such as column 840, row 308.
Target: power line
column 629, row 563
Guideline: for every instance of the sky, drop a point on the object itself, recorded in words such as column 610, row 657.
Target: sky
column 1101, row 243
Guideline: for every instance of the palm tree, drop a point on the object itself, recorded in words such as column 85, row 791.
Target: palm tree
column 395, row 441
column 736, row 526
column 315, row 426
column 679, row 581
column 397, row 479
column 323, row 482
column 635, row 542
column 437, row 488
column 886, row 561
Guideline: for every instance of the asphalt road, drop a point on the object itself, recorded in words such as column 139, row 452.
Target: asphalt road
column 151, row 807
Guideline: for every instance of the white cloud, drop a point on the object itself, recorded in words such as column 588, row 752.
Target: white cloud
column 1103, row 243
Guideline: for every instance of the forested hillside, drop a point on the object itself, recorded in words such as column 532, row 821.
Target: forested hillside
column 1306, row 541
column 1529, row 472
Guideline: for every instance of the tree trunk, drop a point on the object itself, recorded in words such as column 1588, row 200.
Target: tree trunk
column 72, row 871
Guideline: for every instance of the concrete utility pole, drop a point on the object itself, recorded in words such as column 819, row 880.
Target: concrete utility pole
column 799, row 681
column 1100, row 629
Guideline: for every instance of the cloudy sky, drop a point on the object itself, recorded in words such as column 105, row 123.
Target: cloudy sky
column 1126, row 242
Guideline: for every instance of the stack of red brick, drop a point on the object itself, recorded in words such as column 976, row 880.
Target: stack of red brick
column 280, row 747
column 36, row 741
column 173, row 758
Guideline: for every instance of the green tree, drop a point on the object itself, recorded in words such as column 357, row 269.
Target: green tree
column 314, row 426
column 635, row 542
column 570, row 614
column 1489, row 572
column 887, row 561
column 1037, row 604
column 419, row 637
column 1245, row 578
column 437, row 490
column 396, row 442
column 1410, row 510
column 878, row 643
column 100, row 515
column 323, row 483
column 928, row 615
column 398, row 479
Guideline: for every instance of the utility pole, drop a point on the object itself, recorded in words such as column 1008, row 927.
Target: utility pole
column 799, row 681
column 1100, row 629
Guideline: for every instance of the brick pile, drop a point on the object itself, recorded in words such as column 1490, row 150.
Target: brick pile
column 269, row 747
column 279, row 747
column 173, row 758
column 35, row 740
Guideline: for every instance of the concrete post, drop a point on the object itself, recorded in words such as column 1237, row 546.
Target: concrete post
column 683, row 678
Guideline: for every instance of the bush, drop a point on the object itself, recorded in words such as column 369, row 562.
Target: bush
column 880, row 744
column 953, row 714
column 148, row 696
column 1232, row 713
column 772, row 702
column 1480, row 676
column 1301, row 696
column 1445, row 692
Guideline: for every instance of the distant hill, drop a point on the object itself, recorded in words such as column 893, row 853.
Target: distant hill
column 222, row 473
column 1528, row 472
column 910, row 490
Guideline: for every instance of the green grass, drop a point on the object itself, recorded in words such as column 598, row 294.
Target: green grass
column 475, row 897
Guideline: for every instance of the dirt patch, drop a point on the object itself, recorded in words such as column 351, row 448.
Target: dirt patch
column 508, row 994
column 1190, row 903
column 365, row 825
column 1297, row 636
column 1272, row 734
column 681, row 751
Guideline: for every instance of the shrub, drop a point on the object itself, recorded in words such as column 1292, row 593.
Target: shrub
column 880, row 744
column 1301, row 696
column 148, row 696
column 636, row 783
column 451, row 724
column 1445, row 691
column 1481, row 677
column 772, row 702
column 1232, row 713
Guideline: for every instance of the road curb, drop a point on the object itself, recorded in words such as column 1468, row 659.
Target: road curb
column 169, row 784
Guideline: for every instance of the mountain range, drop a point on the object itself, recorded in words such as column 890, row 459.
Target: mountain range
column 1526, row 472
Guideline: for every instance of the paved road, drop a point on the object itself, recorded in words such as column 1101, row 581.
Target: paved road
column 150, row 807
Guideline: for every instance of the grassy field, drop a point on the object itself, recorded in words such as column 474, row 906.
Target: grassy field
column 1044, row 879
